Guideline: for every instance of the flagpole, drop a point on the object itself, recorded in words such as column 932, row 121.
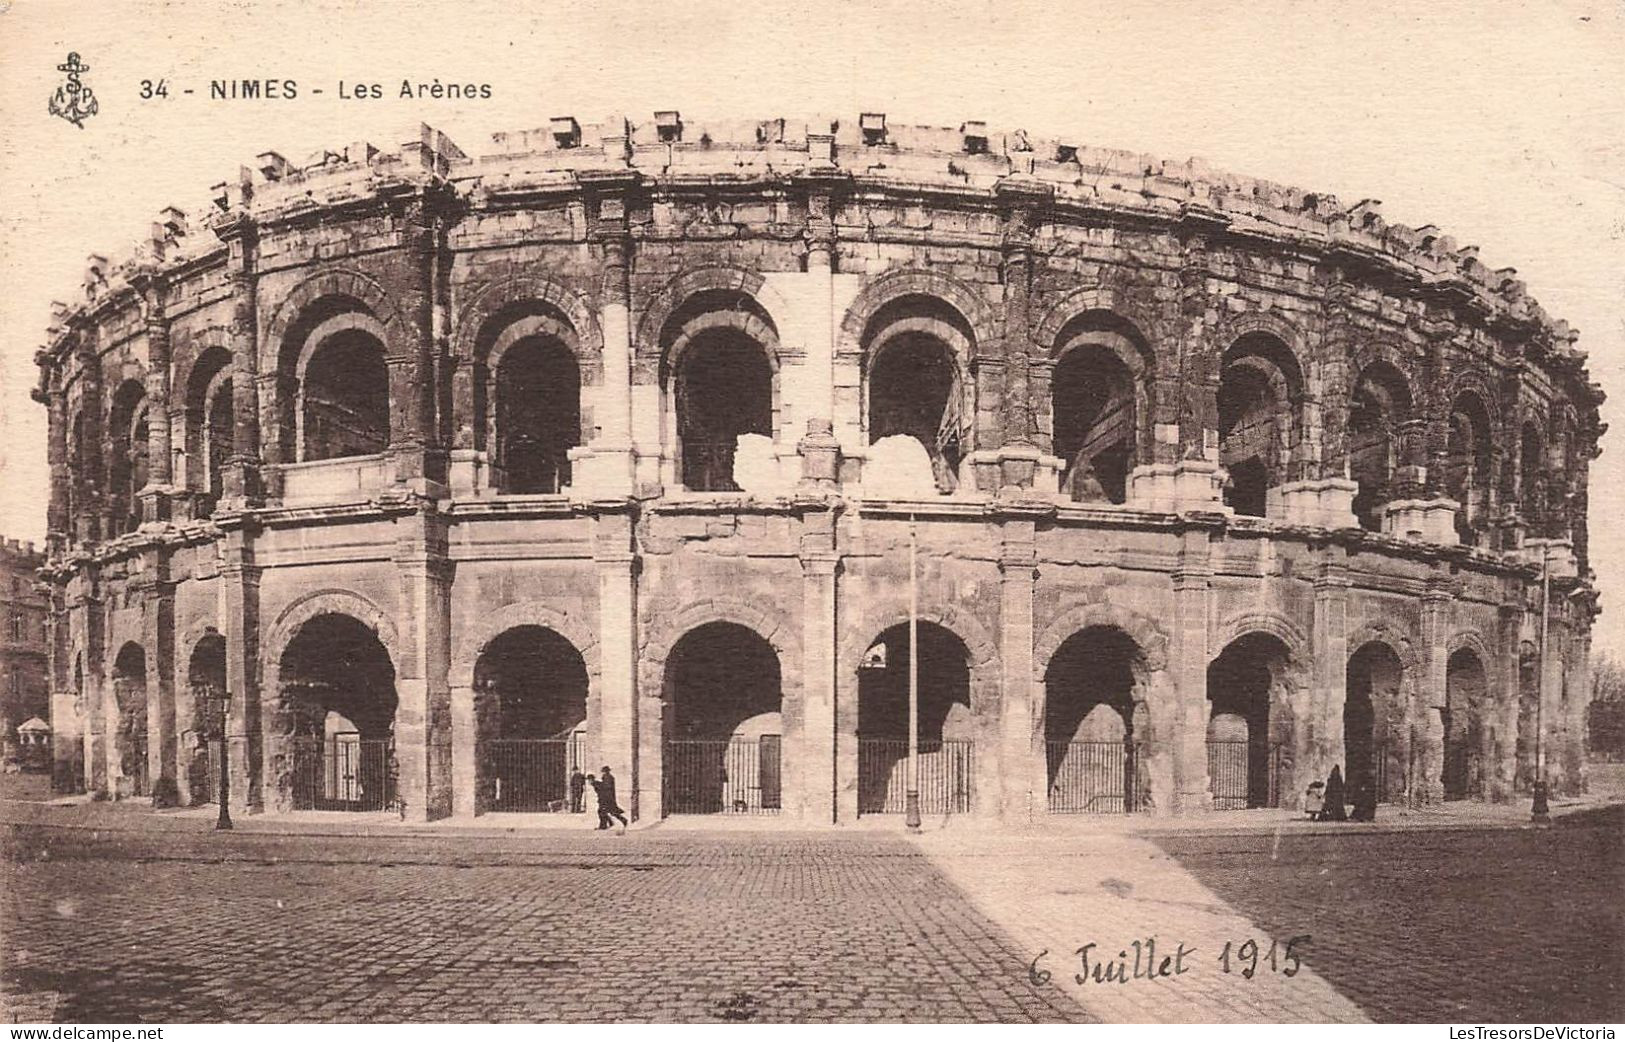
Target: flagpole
column 911, row 808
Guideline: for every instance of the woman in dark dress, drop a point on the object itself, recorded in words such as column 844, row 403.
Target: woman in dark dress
column 1334, row 810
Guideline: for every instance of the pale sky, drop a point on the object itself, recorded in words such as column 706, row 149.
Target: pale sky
column 1504, row 124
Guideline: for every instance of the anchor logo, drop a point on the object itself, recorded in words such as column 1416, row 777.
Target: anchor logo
column 73, row 101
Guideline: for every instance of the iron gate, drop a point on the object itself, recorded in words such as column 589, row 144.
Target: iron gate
column 343, row 772
column 529, row 774
column 724, row 776
column 1237, row 782
column 947, row 776
column 1096, row 778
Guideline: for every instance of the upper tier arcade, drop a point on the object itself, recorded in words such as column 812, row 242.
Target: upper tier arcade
column 670, row 309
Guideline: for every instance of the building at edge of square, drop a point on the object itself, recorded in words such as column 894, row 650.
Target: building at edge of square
column 453, row 473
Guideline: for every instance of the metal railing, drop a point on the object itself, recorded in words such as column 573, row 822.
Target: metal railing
column 724, row 776
column 1096, row 778
column 203, row 773
column 529, row 774
column 1237, row 782
column 947, row 776
column 343, row 773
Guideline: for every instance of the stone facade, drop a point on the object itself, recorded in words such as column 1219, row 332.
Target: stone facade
column 1229, row 482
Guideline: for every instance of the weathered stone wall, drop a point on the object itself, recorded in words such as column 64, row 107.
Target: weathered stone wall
column 627, row 244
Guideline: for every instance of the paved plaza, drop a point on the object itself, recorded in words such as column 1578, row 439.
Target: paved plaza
column 130, row 916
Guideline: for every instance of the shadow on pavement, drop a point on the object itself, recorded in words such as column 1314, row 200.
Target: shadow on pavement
column 1480, row 926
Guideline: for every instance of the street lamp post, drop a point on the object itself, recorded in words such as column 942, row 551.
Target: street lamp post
column 223, row 822
column 911, row 806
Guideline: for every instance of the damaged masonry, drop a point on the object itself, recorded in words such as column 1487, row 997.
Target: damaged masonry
column 427, row 480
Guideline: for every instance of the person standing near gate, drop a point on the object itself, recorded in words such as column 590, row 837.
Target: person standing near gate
column 578, row 786
column 607, row 807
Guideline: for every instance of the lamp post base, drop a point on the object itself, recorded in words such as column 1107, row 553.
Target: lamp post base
column 911, row 812
column 1541, row 813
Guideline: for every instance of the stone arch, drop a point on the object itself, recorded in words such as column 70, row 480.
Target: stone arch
column 191, row 349
column 322, row 602
column 1289, row 333
column 489, row 626
column 1143, row 630
column 670, row 298
column 1063, row 312
column 1478, row 386
column 500, row 295
column 1472, row 640
column 914, row 282
column 333, row 283
column 770, row 625
column 1272, row 623
column 1402, row 644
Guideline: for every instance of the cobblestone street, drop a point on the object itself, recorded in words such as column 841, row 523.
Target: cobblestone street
column 174, row 923
column 651, row 926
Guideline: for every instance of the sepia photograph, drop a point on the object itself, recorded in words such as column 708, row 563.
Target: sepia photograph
column 883, row 512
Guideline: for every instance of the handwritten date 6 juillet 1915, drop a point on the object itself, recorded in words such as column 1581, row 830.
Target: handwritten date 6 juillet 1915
column 1139, row 960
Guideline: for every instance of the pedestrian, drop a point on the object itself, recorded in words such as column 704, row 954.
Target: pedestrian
column 607, row 807
column 590, row 803
column 1335, row 809
column 1314, row 800
column 578, row 789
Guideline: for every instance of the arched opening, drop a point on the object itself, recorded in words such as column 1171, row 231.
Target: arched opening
column 914, row 351
column 1532, row 479
column 127, row 460
column 1258, row 395
column 538, row 415
column 206, row 680
column 208, row 426
column 530, row 709
column 1372, row 710
column 1097, row 406
column 723, row 723
column 1467, row 466
column 1381, row 403
column 717, row 375
column 1249, row 729
column 946, row 733
column 1463, row 718
column 344, row 398
column 130, row 733
column 1095, row 725
column 724, row 390
column 338, row 704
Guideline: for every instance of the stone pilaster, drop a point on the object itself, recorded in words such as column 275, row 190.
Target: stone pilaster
column 820, row 450
column 607, row 469
column 158, row 638
column 91, row 448
column 155, row 498
column 1329, row 657
column 1188, row 661
column 58, row 519
column 414, row 437
column 423, row 726
column 629, row 748
column 249, row 750
column 1428, row 738
column 1021, row 750
column 814, row 754
column 241, row 480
